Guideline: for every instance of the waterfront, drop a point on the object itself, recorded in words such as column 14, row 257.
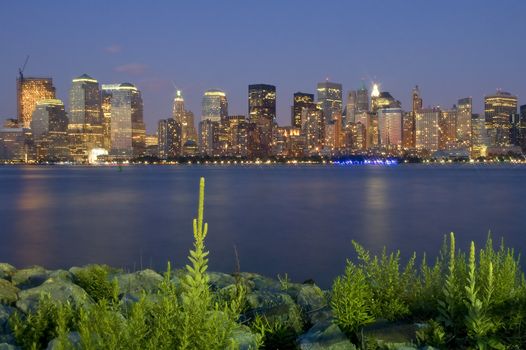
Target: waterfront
column 295, row 219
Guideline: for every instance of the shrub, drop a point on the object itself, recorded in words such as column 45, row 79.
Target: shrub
column 94, row 279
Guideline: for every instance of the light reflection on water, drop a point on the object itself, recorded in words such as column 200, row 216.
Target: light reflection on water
column 294, row 219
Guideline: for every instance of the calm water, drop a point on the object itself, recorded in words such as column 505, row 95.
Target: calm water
column 295, row 219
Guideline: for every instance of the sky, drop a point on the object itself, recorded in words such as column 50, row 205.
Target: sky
column 451, row 49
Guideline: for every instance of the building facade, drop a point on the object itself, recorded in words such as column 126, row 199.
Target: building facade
column 29, row 91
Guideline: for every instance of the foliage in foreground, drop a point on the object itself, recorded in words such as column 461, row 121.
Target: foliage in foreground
column 476, row 301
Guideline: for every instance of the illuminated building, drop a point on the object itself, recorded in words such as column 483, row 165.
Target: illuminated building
column 215, row 105
column 426, row 129
column 127, row 130
column 350, row 108
column 479, row 136
column 329, row 99
column 301, row 100
column 262, row 116
column 13, row 144
column 11, row 123
column 390, row 128
column 151, row 143
column 49, row 126
column 185, row 118
column 208, row 137
column 358, row 137
column 169, row 138
column 447, row 129
column 85, row 117
column 408, row 130
column 383, row 100
column 417, row 100
column 236, row 132
column 362, row 99
column 464, row 112
column 375, row 94
column 28, row 92
column 497, row 110
column 191, row 132
column 312, row 129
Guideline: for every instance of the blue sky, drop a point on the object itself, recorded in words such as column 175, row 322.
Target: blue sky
column 451, row 49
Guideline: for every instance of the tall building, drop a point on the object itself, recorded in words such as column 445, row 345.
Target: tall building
column 426, row 129
column 85, row 116
column 262, row 114
column 184, row 118
column 384, row 100
column 464, row 112
column 13, row 144
column 169, row 138
column 127, row 128
column 408, row 130
column 49, row 126
column 479, row 136
column 329, row 99
column 301, row 100
column 417, row 100
column 351, row 107
column 215, row 105
column 236, row 131
column 390, row 128
column 498, row 109
column 209, row 137
column 29, row 91
column 362, row 99
column 447, row 129
column 312, row 129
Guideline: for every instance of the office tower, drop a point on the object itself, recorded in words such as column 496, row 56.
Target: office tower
column 497, row 110
column 236, row 131
column 384, row 100
column 417, row 100
column 334, row 133
column 408, row 130
column 312, row 129
column 106, row 94
column 28, row 92
column 426, row 129
column 479, row 136
column 447, row 129
column 362, row 99
column 85, row 116
column 127, row 130
column 358, row 137
column 262, row 116
column 329, row 99
column 151, row 145
column 301, row 100
column 464, row 112
column 390, row 128
column 185, row 118
column 13, row 145
column 518, row 135
column 208, row 137
column 11, row 123
column 169, row 138
column 49, row 126
column 351, row 107
column 215, row 105
column 375, row 94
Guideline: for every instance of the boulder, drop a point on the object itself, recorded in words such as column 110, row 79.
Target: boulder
column 6, row 271
column 313, row 303
column 74, row 341
column 30, row 277
column 325, row 335
column 137, row 282
column 276, row 307
column 59, row 291
column 245, row 340
column 61, row 274
column 398, row 333
column 8, row 292
column 5, row 313
column 220, row 280
column 6, row 346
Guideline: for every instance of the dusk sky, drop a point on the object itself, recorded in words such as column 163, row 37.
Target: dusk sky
column 451, row 49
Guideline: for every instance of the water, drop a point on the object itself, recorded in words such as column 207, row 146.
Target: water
column 294, row 219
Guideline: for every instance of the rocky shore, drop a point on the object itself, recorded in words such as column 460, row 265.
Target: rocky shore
column 303, row 307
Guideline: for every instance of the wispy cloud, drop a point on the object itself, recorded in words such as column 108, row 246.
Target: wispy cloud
column 155, row 84
column 132, row 68
column 113, row 49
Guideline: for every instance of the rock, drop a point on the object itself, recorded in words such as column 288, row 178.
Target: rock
column 276, row 307
column 265, row 283
column 220, row 280
column 74, row 340
column 6, row 346
column 8, row 292
column 61, row 274
column 59, row 291
column 5, row 313
column 245, row 340
column 325, row 335
column 6, row 271
column 137, row 282
column 30, row 277
column 391, row 332
column 313, row 303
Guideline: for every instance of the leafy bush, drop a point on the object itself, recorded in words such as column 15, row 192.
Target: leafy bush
column 94, row 279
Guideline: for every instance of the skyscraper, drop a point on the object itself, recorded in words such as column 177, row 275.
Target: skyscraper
column 28, row 92
column 362, row 99
column 426, row 127
column 262, row 113
column 329, row 99
column 85, row 116
column 215, row 105
column 127, row 126
column 498, row 109
column 49, row 126
column 447, row 129
column 169, row 138
column 301, row 100
column 351, row 107
column 184, row 118
column 417, row 100
column 464, row 112
column 390, row 128
column 312, row 129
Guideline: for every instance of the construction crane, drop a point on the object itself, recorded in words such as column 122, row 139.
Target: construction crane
column 21, row 70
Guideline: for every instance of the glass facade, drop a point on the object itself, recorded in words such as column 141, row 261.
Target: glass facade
column 215, row 105
column 262, row 113
column 28, row 92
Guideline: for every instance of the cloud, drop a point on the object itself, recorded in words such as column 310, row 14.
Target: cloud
column 113, row 49
column 132, row 68
column 155, row 84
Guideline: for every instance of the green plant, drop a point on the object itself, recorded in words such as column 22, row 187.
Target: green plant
column 433, row 334
column 94, row 279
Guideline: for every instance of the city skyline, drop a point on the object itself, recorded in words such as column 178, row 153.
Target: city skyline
column 447, row 63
